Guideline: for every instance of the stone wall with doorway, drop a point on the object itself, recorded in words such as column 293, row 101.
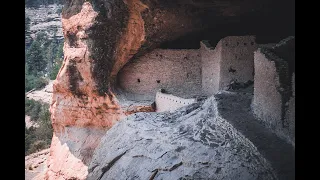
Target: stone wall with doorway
column 236, row 64
column 230, row 61
column 178, row 71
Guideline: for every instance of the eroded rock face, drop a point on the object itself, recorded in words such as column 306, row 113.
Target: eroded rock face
column 194, row 142
column 77, row 101
column 100, row 38
column 71, row 151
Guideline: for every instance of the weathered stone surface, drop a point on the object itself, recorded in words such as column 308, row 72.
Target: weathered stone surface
column 191, row 143
column 71, row 151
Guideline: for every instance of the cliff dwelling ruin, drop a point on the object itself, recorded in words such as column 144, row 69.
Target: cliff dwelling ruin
column 236, row 62
column 175, row 90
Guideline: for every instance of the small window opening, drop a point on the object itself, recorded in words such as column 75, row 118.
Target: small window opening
column 138, row 80
column 158, row 81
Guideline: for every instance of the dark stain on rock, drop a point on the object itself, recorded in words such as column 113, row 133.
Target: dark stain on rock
column 175, row 166
column 103, row 38
column 180, row 148
column 74, row 78
column 218, row 170
column 71, row 8
column 71, row 39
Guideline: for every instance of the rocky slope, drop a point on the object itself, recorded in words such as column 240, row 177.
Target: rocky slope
column 36, row 164
column 194, row 142
column 44, row 95
column 46, row 19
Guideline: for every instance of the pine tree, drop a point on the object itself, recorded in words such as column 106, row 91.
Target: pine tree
column 35, row 59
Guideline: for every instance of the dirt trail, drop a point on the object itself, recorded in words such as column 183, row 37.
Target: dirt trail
column 35, row 164
column 43, row 95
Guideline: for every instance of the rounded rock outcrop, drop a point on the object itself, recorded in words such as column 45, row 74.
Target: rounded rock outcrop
column 194, row 142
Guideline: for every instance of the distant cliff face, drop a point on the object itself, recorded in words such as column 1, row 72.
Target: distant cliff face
column 100, row 38
column 46, row 19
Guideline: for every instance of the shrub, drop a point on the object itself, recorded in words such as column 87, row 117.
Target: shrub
column 34, row 113
column 37, row 138
column 33, row 109
column 29, row 104
column 37, row 146
column 55, row 69
column 33, row 82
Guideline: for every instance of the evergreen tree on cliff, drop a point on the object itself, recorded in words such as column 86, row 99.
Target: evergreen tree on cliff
column 35, row 60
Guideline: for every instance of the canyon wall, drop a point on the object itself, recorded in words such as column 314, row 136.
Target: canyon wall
column 81, row 107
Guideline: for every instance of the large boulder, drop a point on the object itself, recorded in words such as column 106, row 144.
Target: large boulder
column 194, row 142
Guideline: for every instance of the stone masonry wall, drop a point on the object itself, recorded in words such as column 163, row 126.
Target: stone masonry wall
column 210, row 61
column 187, row 73
column 290, row 113
column 168, row 102
column 176, row 71
column 231, row 60
column 267, row 99
column 237, row 54
column 274, row 96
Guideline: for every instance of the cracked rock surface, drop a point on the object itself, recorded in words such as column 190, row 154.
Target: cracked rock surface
column 194, row 142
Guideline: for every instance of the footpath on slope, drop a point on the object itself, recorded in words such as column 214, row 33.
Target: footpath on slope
column 43, row 95
column 235, row 108
column 35, row 164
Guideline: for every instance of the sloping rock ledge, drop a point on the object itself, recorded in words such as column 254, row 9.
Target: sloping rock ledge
column 194, row 142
